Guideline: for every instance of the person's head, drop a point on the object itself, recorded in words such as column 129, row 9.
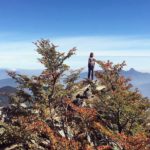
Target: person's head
column 78, row 96
column 87, row 89
column 91, row 54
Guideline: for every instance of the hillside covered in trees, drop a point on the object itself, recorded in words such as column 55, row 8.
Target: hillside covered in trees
column 48, row 114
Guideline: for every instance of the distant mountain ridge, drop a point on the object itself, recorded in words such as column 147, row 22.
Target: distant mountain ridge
column 138, row 79
column 6, row 80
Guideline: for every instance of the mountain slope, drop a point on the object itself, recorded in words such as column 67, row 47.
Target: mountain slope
column 4, row 92
column 8, row 90
column 145, row 89
column 7, row 82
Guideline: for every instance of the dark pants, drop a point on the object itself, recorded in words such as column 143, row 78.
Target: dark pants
column 90, row 72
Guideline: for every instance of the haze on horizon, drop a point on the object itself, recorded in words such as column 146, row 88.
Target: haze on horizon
column 117, row 30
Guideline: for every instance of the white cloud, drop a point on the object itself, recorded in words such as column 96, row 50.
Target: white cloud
column 22, row 54
column 18, row 55
column 107, row 46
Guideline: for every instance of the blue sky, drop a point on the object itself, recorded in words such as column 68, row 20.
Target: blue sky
column 113, row 29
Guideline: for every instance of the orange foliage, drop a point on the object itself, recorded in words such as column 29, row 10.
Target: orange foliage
column 105, row 147
column 56, row 141
column 87, row 113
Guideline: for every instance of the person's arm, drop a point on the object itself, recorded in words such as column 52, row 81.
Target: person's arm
column 94, row 60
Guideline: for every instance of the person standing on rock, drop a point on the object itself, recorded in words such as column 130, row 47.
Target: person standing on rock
column 91, row 64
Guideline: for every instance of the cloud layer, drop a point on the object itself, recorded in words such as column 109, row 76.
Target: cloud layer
column 22, row 54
